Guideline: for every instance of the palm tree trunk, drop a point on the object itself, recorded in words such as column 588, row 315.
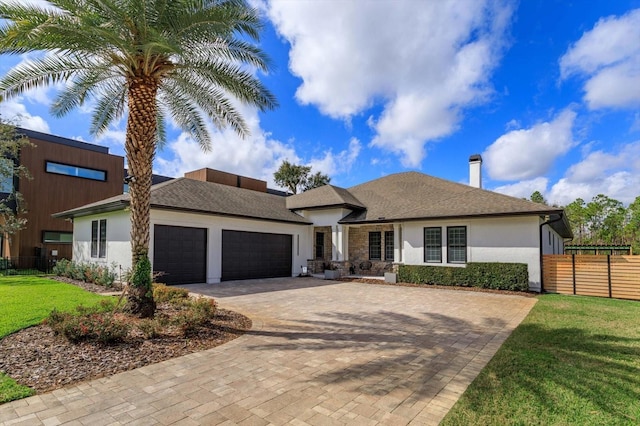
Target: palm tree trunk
column 140, row 146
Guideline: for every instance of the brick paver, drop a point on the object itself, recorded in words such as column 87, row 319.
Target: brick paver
column 320, row 353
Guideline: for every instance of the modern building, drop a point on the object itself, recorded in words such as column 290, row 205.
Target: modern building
column 209, row 227
column 66, row 173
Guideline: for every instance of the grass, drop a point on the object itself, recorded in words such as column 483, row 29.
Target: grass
column 573, row 360
column 26, row 301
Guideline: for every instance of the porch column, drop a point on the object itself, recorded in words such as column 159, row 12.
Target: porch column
column 337, row 243
column 397, row 243
column 345, row 242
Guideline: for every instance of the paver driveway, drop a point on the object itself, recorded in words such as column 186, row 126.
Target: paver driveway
column 321, row 352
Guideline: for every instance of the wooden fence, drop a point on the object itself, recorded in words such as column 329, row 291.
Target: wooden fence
column 592, row 275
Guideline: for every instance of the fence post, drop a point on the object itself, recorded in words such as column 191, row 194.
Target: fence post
column 609, row 273
column 573, row 268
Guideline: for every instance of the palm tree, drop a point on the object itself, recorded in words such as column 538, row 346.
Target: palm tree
column 184, row 59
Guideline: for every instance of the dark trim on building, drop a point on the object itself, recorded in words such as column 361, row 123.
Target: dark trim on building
column 32, row 134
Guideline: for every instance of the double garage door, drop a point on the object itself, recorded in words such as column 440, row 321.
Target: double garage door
column 180, row 253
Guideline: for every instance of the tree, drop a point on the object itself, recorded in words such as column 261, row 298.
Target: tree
column 298, row 178
column 577, row 218
column 537, row 197
column 605, row 218
column 12, row 205
column 632, row 227
column 146, row 59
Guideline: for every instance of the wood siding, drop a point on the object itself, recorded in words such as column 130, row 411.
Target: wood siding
column 594, row 275
column 49, row 193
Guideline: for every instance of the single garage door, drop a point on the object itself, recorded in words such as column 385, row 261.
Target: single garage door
column 247, row 255
column 180, row 253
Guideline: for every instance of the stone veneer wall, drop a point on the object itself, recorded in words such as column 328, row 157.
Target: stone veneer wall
column 317, row 266
column 359, row 250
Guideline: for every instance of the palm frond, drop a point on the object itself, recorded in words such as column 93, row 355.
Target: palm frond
column 110, row 105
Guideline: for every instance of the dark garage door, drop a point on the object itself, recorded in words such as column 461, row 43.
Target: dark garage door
column 181, row 253
column 247, row 255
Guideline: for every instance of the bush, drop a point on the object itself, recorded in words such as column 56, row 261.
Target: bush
column 163, row 293
column 89, row 324
column 88, row 272
column 501, row 276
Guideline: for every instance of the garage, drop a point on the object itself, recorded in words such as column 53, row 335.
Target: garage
column 247, row 255
column 180, row 253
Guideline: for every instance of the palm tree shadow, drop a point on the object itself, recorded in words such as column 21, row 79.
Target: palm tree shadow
column 385, row 351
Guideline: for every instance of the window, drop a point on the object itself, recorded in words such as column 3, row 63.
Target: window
column 375, row 246
column 57, row 237
column 77, row 171
column 99, row 238
column 388, row 245
column 457, row 244
column 433, row 245
column 319, row 245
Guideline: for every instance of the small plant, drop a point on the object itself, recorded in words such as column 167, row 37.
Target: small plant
column 163, row 293
column 88, row 272
column 150, row 328
column 89, row 324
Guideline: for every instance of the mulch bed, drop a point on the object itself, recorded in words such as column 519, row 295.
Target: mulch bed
column 38, row 358
column 442, row 287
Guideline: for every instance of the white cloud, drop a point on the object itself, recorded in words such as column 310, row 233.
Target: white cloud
column 423, row 64
column 609, row 57
column 14, row 111
column 257, row 156
column 525, row 188
column 341, row 162
column 528, row 153
column 615, row 174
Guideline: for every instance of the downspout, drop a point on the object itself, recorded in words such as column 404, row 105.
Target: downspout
column 547, row 222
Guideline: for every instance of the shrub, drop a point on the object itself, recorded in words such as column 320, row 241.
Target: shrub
column 150, row 328
column 104, row 327
column 163, row 293
column 501, row 276
column 196, row 313
column 89, row 272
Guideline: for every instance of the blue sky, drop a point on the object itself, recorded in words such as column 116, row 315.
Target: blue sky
column 547, row 91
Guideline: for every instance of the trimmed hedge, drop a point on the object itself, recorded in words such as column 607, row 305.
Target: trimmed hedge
column 501, row 276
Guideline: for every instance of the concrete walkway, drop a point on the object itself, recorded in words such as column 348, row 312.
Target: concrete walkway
column 320, row 353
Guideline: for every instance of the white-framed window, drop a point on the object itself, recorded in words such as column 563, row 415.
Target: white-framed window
column 433, row 245
column 99, row 238
column 456, row 244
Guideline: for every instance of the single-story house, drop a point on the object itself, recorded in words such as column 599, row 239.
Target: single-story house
column 211, row 226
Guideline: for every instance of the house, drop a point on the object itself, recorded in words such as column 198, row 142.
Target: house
column 65, row 173
column 203, row 230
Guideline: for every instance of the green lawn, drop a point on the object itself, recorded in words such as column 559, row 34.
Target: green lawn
column 26, row 301
column 572, row 361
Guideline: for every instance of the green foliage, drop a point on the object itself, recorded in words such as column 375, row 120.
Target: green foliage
column 163, row 293
column 298, row 178
column 88, row 272
column 197, row 313
column 12, row 207
column 537, row 197
column 500, row 276
column 89, row 324
column 572, row 361
column 197, row 54
column 141, row 277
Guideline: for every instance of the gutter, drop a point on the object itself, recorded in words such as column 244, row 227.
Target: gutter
column 547, row 222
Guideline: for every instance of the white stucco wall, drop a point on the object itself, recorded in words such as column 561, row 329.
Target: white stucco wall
column 301, row 236
column 118, row 240
column 552, row 242
column 504, row 239
column 339, row 233
column 119, row 246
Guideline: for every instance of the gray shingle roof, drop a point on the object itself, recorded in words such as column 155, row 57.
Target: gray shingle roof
column 323, row 196
column 204, row 197
column 413, row 195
